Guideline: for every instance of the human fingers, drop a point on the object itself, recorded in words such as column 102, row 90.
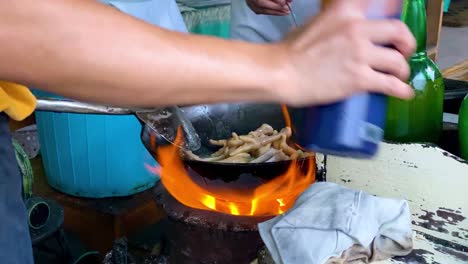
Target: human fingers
column 388, row 60
column 374, row 81
column 390, row 32
column 274, row 7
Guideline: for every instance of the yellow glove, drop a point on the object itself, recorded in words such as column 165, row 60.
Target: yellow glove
column 16, row 100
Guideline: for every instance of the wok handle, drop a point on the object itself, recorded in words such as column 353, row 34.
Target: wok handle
column 67, row 106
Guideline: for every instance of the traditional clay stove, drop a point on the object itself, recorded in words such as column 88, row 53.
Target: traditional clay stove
column 208, row 237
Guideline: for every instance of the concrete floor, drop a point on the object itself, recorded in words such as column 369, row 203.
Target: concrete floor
column 453, row 47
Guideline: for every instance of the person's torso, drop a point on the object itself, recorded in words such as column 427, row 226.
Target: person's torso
column 163, row 13
column 248, row 26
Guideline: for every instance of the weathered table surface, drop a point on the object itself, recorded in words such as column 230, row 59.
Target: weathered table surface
column 434, row 182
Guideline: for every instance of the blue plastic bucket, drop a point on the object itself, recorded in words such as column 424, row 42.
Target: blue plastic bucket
column 94, row 156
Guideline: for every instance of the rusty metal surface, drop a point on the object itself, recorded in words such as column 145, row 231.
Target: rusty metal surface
column 432, row 180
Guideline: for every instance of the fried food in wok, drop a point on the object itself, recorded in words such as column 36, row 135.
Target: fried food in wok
column 264, row 144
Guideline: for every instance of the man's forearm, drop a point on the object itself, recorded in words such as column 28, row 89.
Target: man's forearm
column 89, row 51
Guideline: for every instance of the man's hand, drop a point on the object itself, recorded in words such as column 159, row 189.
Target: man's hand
column 269, row 7
column 341, row 53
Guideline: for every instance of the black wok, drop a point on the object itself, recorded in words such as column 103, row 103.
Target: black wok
column 218, row 122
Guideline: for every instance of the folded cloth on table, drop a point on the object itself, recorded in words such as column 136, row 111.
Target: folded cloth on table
column 330, row 223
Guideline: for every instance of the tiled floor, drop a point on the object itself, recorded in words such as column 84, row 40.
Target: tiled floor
column 453, row 47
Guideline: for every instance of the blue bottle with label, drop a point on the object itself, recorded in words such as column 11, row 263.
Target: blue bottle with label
column 353, row 127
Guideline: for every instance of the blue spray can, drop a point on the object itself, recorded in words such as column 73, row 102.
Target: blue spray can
column 353, row 127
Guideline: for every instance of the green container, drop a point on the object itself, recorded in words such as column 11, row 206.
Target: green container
column 463, row 128
column 419, row 119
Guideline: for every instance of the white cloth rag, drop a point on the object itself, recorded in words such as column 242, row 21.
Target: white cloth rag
column 329, row 221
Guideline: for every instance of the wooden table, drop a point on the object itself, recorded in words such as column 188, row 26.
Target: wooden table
column 457, row 72
column 98, row 222
column 434, row 183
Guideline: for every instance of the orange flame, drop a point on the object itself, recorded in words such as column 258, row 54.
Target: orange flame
column 287, row 119
column 270, row 198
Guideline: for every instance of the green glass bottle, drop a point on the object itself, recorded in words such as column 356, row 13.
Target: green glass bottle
column 419, row 119
column 463, row 128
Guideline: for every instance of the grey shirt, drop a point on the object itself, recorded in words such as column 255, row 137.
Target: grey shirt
column 248, row 26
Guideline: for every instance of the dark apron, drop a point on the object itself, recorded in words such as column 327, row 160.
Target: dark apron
column 15, row 242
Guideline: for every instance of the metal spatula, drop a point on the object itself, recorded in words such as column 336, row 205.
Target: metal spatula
column 293, row 15
column 166, row 121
